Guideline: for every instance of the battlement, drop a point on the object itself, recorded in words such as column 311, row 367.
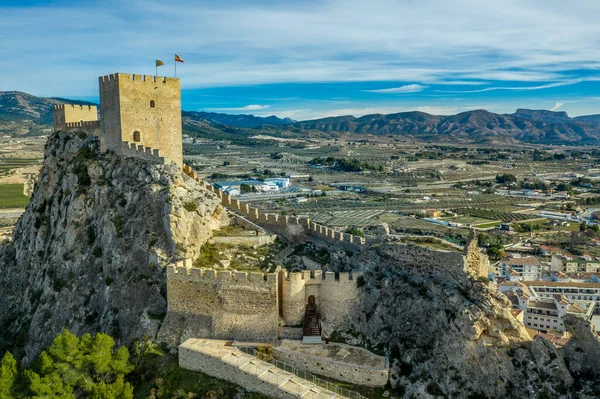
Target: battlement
column 93, row 108
column 183, row 270
column 125, row 77
column 323, row 232
column 84, row 124
column 318, row 276
column 139, row 151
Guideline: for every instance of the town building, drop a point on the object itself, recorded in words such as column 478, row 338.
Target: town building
column 522, row 268
column 574, row 291
column 545, row 312
column 571, row 264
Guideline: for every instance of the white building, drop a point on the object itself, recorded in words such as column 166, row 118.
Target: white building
column 521, row 269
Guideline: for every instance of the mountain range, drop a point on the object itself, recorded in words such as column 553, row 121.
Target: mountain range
column 24, row 114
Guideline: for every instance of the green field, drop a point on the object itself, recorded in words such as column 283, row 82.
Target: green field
column 7, row 164
column 11, row 196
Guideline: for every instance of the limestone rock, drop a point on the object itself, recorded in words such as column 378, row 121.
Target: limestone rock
column 89, row 252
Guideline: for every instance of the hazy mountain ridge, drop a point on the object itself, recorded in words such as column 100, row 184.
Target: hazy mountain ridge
column 24, row 114
column 531, row 126
column 241, row 120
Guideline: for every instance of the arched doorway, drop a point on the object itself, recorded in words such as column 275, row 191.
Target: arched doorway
column 312, row 324
column 137, row 137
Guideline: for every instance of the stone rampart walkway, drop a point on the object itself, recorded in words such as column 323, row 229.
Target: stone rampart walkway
column 216, row 358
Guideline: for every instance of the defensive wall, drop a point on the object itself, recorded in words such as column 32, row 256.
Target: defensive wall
column 72, row 117
column 334, row 293
column 258, row 240
column 143, row 110
column 228, row 304
column 139, row 151
column 223, row 304
column 284, row 224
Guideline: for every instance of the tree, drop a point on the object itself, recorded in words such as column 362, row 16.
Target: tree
column 310, row 178
column 87, row 366
column 8, row 373
column 245, row 188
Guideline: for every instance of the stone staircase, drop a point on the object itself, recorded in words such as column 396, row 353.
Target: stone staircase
column 312, row 326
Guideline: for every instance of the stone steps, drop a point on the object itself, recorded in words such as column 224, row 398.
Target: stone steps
column 312, row 340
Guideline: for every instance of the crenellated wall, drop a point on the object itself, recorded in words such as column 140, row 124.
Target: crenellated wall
column 334, row 295
column 280, row 223
column 71, row 117
column 222, row 304
column 228, row 304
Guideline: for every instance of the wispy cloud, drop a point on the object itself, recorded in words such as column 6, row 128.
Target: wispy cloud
column 251, row 107
column 557, row 106
column 412, row 88
column 517, row 88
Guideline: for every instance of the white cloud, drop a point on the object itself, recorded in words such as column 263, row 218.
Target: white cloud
column 557, row 106
column 412, row 88
column 251, row 107
column 518, row 88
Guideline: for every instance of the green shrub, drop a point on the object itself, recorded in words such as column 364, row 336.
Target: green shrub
column 190, row 206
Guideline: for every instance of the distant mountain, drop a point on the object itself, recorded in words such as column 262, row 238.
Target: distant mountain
column 478, row 126
column 250, row 121
column 24, row 114
column 542, row 115
column 593, row 120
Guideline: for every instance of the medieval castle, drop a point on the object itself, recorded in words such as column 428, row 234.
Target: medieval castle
column 140, row 117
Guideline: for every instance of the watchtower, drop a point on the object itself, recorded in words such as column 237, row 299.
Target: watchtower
column 143, row 113
column 66, row 115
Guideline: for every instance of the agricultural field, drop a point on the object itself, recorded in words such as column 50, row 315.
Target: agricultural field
column 11, row 196
column 361, row 218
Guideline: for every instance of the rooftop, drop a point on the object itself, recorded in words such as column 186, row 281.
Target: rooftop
column 526, row 261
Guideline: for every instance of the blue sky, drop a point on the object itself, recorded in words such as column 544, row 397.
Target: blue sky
column 314, row 58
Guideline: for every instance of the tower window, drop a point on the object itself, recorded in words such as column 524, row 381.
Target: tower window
column 152, row 104
column 137, row 137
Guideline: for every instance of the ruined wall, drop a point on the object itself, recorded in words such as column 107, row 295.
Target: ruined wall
column 220, row 304
column 70, row 113
column 246, row 240
column 149, row 105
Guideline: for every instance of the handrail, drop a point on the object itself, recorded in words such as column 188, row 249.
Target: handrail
column 331, row 386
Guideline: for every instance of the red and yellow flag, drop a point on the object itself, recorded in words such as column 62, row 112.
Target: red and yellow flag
column 178, row 58
column 159, row 63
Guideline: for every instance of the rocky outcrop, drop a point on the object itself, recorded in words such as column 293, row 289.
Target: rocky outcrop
column 447, row 334
column 582, row 354
column 90, row 250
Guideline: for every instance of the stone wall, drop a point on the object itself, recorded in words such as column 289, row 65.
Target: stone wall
column 334, row 295
column 259, row 240
column 70, row 113
column 291, row 227
column 220, row 365
column 89, row 127
column 144, row 106
column 342, row 371
column 220, row 304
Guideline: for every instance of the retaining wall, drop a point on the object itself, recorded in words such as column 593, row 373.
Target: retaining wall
column 246, row 240
column 353, row 373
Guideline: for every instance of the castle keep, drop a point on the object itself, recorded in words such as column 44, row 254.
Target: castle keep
column 140, row 117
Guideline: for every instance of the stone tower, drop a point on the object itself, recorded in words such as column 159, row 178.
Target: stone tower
column 476, row 263
column 71, row 117
column 143, row 114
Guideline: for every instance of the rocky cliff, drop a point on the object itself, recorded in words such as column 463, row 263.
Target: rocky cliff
column 447, row 334
column 89, row 252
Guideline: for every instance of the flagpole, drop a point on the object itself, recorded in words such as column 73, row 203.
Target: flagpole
column 175, row 68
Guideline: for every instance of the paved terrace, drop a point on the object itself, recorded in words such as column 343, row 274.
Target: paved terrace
column 246, row 370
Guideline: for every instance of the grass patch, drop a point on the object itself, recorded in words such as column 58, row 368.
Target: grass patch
column 11, row 196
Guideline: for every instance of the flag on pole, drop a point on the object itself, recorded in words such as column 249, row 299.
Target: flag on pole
column 159, row 63
column 178, row 58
